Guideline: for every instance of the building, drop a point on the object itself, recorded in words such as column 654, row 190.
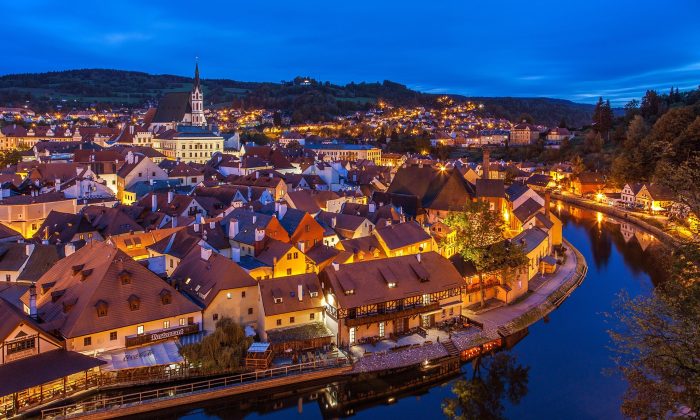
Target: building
column 292, row 312
column 176, row 108
column 655, row 197
column 387, row 297
column 351, row 152
column 219, row 286
column 99, row 299
column 523, row 133
column 588, row 183
column 188, row 143
column 26, row 213
column 398, row 239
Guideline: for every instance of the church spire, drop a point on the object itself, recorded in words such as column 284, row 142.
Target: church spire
column 196, row 74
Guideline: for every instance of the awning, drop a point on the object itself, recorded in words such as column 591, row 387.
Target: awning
column 164, row 353
column 43, row 368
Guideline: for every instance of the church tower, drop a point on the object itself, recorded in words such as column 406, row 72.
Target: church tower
column 197, row 101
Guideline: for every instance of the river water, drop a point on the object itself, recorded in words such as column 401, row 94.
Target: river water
column 569, row 363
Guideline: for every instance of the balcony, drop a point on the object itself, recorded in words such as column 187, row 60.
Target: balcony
column 394, row 314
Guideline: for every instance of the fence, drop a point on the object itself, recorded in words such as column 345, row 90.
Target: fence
column 111, row 403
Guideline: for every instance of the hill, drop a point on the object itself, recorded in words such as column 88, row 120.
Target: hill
column 316, row 101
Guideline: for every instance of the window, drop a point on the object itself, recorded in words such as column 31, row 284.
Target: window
column 250, row 311
column 87, row 341
column 289, row 271
column 140, row 174
column 182, row 322
column 190, row 320
column 166, row 324
column 307, row 228
column 228, row 295
column 215, row 317
column 113, row 336
column 19, row 346
column 312, row 316
column 8, row 277
column 296, row 255
column 139, row 329
column 289, row 256
column 279, row 322
column 243, row 294
column 352, row 335
column 381, row 329
column 291, row 320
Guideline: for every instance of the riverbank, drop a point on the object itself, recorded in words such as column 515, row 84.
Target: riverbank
column 621, row 214
column 546, row 294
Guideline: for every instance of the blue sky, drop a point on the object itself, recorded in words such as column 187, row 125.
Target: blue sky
column 576, row 50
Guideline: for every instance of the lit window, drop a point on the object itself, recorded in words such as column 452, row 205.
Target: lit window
column 87, row 341
column 182, row 321
column 228, row 295
column 139, row 329
column 166, row 324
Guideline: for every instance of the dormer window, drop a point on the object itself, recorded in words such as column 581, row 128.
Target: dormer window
column 77, row 268
column 101, row 307
column 313, row 294
column 278, row 300
column 85, row 274
column 350, row 292
column 391, row 285
column 134, row 302
column 166, row 297
column 124, row 277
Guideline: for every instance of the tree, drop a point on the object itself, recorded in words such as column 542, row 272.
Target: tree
column 223, row 350
column 651, row 105
column 10, row 157
column 482, row 396
column 593, row 142
column 602, row 116
column 657, row 340
column 577, row 165
column 478, row 231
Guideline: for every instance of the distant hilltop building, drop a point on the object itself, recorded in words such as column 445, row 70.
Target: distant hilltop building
column 181, row 108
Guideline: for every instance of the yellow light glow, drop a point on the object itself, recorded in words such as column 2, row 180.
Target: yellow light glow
column 599, row 217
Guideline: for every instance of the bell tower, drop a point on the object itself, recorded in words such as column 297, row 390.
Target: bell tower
column 197, row 100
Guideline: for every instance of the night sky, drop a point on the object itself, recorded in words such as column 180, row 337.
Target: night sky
column 613, row 48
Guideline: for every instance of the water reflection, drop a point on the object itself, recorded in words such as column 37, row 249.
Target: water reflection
column 642, row 252
column 494, row 380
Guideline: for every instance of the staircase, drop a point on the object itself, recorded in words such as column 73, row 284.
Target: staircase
column 452, row 350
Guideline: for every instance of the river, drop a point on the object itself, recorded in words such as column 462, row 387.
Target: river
column 569, row 363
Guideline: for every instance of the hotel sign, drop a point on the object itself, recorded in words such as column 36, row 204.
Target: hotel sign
column 138, row 340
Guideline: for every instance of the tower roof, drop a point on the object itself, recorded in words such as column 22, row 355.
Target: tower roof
column 196, row 76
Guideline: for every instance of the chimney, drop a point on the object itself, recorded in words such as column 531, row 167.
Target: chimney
column 418, row 256
column 29, row 248
column 152, row 181
column 198, row 218
column 171, row 196
column 547, row 199
column 32, row 302
column 212, row 225
column 205, row 253
column 486, row 164
column 388, row 222
column 236, row 254
column 57, row 184
column 69, row 249
column 196, row 227
column 301, row 246
column 282, row 211
column 334, row 220
column 233, row 228
column 300, row 290
column 154, row 202
column 372, row 207
column 255, row 219
column 270, row 175
column 336, row 266
column 174, row 221
column 259, row 241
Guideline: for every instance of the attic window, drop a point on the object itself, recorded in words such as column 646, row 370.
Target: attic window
column 166, row 297
column 134, row 302
column 350, row 292
column 77, row 268
column 101, row 307
column 68, row 305
column 85, row 274
column 313, row 294
column 125, row 277
column 55, row 295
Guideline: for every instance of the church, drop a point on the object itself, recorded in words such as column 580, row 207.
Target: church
column 179, row 126
column 180, row 108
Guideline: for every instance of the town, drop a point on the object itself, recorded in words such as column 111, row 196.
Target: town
column 151, row 245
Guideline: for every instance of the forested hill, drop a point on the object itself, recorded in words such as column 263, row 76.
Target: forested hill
column 316, row 101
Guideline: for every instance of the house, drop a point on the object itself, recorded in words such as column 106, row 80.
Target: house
column 137, row 168
column 403, row 239
column 99, row 299
column 557, row 135
column 387, row 297
column 346, row 226
column 655, row 197
column 292, row 312
column 35, row 364
column 523, row 133
column 219, row 286
column 25, row 213
column 588, row 183
column 303, row 230
column 629, row 192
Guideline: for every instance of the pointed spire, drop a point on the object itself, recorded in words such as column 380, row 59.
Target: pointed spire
column 196, row 73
